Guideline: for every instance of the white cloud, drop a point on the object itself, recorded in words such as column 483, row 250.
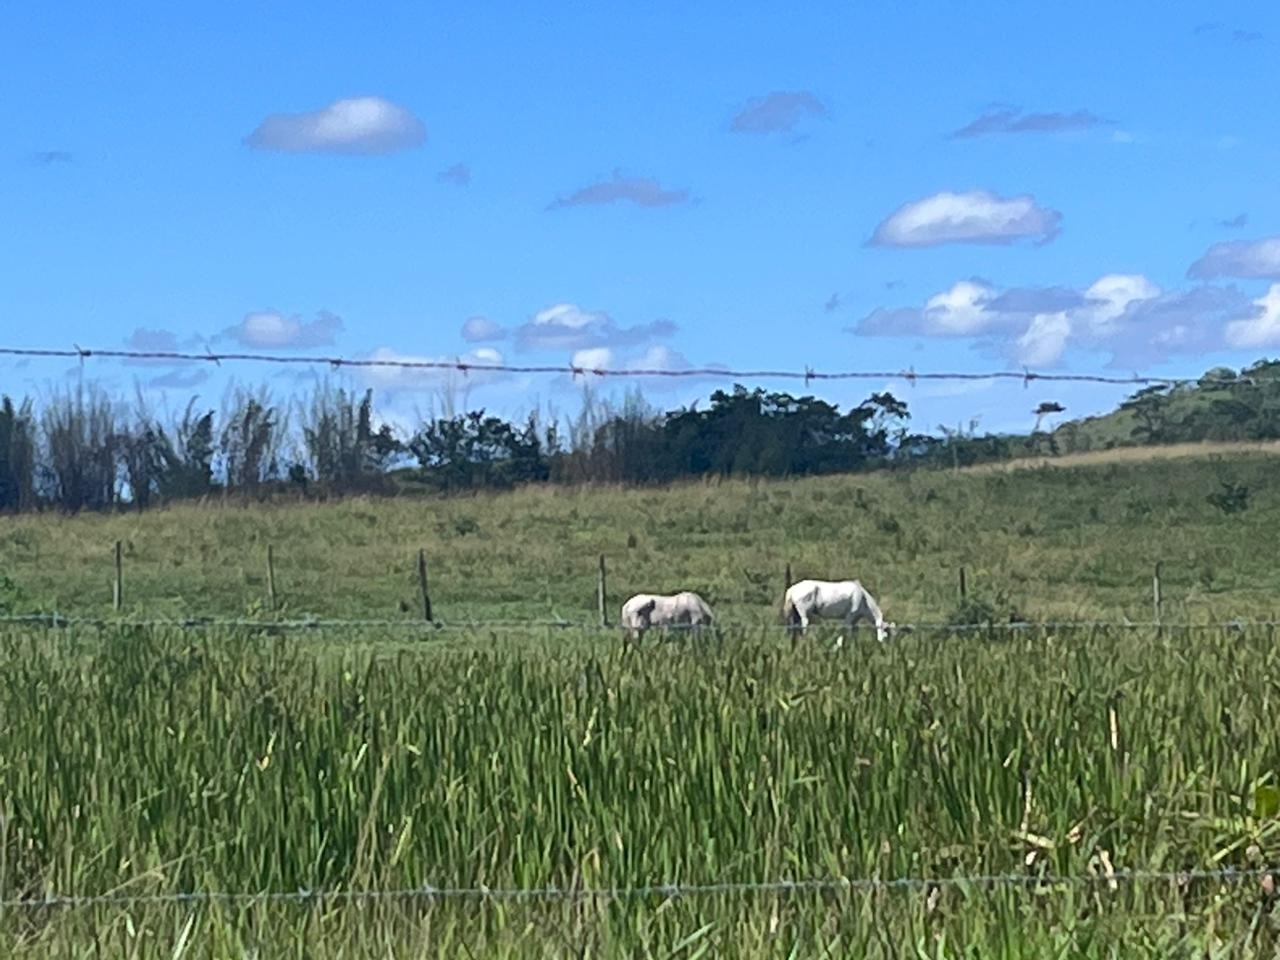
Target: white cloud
column 661, row 358
column 960, row 310
column 977, row 216
column 1044, row 341
column 592, row 358
column 480, row 329
column 1262, row 329
column 1247, row 259
column 567, row 326
column 1126, row 315
column 356, row 125
column 394, row 379
column 271, row 329
column 1107, row 298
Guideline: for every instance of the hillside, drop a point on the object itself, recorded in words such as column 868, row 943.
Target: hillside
column 1209, row 409
column 1049, row 544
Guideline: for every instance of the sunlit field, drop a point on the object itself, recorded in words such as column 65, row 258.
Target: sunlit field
column 619, row 784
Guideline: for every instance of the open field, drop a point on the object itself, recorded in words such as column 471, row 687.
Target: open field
column 1054, row 544
column 148, row 762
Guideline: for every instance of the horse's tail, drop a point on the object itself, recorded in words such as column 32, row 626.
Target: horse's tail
column 788, row 607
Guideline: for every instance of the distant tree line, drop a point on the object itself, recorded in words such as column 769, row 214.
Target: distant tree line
column 84, row 450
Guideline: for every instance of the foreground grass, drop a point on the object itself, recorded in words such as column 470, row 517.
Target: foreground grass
column 148, row 762
column 1054, row 544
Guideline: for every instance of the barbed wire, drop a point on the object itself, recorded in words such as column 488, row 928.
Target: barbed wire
column 808, row 375
column 56, row 620
column 665, row 891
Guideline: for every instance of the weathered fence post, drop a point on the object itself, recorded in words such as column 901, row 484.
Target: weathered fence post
column 786, row 583
column 964, row 592
column 1156, row 598
column 117, row 590
column 271, row 576
column 601, row 601
column 422, row 586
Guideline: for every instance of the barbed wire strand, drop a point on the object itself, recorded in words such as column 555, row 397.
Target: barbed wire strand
column 666, row 891
column 467, row 368
column 59, row 620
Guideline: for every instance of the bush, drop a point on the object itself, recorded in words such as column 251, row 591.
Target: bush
column 1232, row 498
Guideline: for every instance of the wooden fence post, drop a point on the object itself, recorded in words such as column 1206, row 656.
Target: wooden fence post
column 601, row 601
column 117, row 590
column 422, row 586
column 787, row 581
column 964, row 592
column 271, row 576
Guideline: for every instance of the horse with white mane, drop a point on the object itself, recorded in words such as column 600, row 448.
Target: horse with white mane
column 845, row 600
column 645, row 610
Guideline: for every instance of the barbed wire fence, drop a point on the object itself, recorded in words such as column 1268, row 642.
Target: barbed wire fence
column 56, row 620
column 465, row 367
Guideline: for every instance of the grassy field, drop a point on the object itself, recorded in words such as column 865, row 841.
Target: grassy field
column 1052, row 543
column 141, row 762
column 150, row 761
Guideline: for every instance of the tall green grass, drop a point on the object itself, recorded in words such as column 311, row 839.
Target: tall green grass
column 148, row 762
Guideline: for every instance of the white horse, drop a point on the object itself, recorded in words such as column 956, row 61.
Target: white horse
column 845, row 600
column 645, row 610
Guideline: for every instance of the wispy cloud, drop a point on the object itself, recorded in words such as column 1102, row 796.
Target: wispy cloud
column 1246, row 259
column 1218, row 29
column 50, row 157
column 153, row 340
column 481, row 329
column 642, row 191
column 832, row 303
column 271, row 329
column 566, row 326
column 1013, row 120
column 459, row 175
column 1237, row 222
column 976, row 216
column 179, row 379
column 777, row 112
column 356, row 125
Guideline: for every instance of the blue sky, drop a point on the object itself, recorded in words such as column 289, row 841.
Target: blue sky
column 880, row 186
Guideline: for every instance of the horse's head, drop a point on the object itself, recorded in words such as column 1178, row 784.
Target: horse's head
column 885, row 629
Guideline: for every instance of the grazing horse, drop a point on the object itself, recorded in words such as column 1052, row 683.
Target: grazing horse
column 645, row 610
column 845, row 600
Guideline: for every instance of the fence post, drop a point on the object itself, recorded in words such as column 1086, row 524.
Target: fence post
column 1156, row 599
column 787, row 579
column 271, row 576
column 963, row 586
column 600, row 594
column 422, row 586
column 117, row 590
